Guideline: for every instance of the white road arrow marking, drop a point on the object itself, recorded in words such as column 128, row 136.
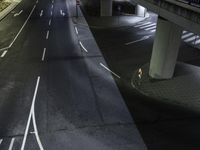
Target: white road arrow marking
column 41, row 13
column 142, row 39
column 17, row 14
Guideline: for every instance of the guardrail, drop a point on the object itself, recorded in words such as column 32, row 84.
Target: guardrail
column 191, row 2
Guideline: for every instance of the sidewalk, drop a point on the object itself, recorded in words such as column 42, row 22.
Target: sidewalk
column 182, row 90
column 9, row 8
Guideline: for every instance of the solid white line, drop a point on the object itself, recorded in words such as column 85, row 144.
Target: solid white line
column 49, row 22
column 76, row 30
column 142, row 39
column 1, row 140
column 43, row 55
column 5, row 48
column 3, row 54
column 36, row 130
column 30, row 114
column 11, row 144
column 83, row 47
column 22, row 26
column 110, row 70
column 47, row 35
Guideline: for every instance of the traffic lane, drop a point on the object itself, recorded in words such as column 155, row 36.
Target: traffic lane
column 10, row 25
column 19, row 69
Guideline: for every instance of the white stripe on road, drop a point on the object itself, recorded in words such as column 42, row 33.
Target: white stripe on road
column 11, row 144
column 142, row 39
column 110, row 70
column 150, row 28
column 36, row 130
column 36, row 1
column 5, row 48
column 187, row 35
column 142, row 24
column 52, row 1
column 76, row 30
column 190, row 39
column 52, row 6
column 32, row 114
column 3, row 54
column 17, row 14
column 49, row 22
column 47, row 35
column 150, row 25
column 51, row 13
column 22, row 26
column 43, row 55
column 1, row 140
column 41, row 13
column 153, row 30
column 83, row 47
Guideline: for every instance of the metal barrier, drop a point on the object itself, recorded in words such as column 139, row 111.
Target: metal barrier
column 191, row 2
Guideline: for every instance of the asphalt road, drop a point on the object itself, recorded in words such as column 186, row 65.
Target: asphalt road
column 57, row 94
column 162, row 126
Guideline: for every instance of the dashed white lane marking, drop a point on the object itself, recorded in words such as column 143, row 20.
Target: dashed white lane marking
column 49, row 22
column 52, row 1
column 43, row 55
column 52, row 6
column 83, row 47
column 32, row 115
column 47, row 35
column 11, row 144
column 41, row 13
column 37, row 1
column 76, row 30
column 1, row 140
column 142, row 39
column 109, row 70
column 17, row 14
column 51, row 13
column 22, row 26
column 3, row 54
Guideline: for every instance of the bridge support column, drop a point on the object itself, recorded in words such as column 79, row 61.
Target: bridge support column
column 165, row 49
column 140, row 11
column 106, row 7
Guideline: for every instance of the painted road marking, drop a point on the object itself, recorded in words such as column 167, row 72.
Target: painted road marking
column 47, row 35
column 146, row 26
column 22, row 26
column 1, row 140
column 142, row 24
column 11, row 144
column 52, row 6
column 32, row 115
column 3, row 54
column 109, row 70
column 142, row 39
column 17, row 14
column 36, row 1
column 52, row 1
column 150, row 28
column 43, row 55
column 41, row 13
column 51, row 13
column 76, row 30
column 5, row 48
column 49, row 22
column 83, row 47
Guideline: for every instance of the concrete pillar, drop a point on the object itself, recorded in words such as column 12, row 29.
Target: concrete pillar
column 140, row 11
column 106, row 7
column 165, row 49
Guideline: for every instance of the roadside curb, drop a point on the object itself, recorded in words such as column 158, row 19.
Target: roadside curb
column 7, row 10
